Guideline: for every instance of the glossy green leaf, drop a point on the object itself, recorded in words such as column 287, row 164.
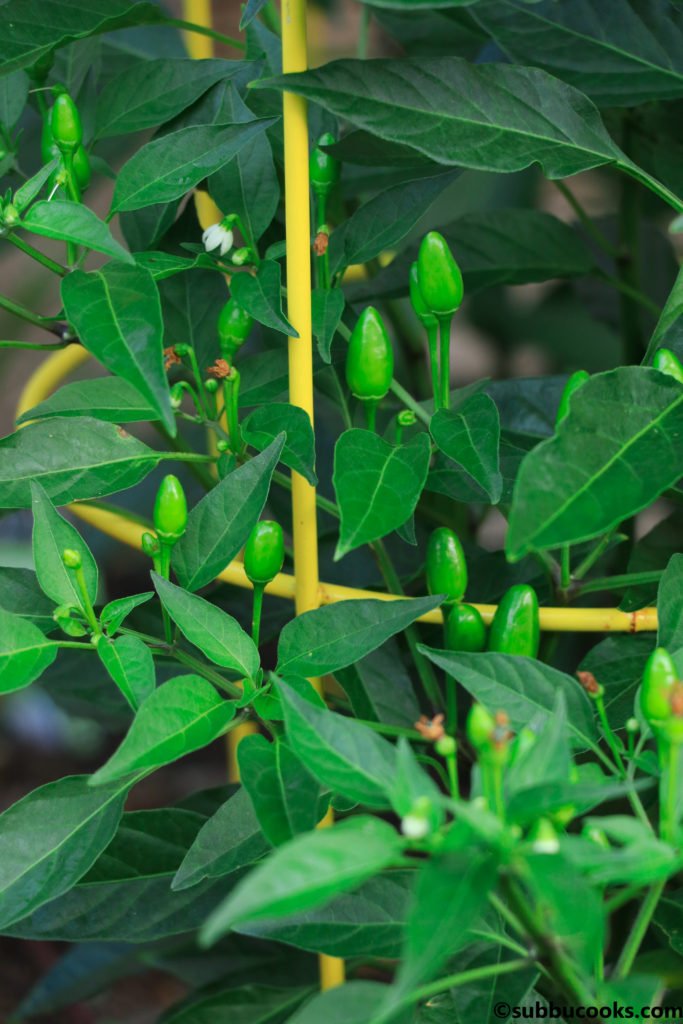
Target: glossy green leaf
column 73, row 222
column 183, row 715
column 104, row 398
column 523, row 687
column 670, row 610
column 72, row 459
column 343, row 754
column 130, row 664
column 25, row 652
column 151, row 92
column 213, row 631
column 21, row 594
column 263, row 425
column 261, row 296
column 356, row 1002
column 248, row 1005
column 171, row 165
column 336, row 635
column 623, row 53
column 248, row 185
column 117, row 313
column 588, row 478
column 51, row 536
column 284, row 795
column 490, row 117
column 27, row 192
column 378, row 485
column 307, row 871
column 469, row 437
column 618, row 662
column 230, row 840
column 327, row 309
column 380, row 688
column 116, row 611
column 219, row 525
column 135, row 870
column 384, row 220
column 30, row 28
column 50, row 838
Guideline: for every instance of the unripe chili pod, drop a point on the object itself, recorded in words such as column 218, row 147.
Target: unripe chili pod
column 465, row 629
column 515, row 628
column 234, row 327
column 264, row 553
column 82, row 169
column 170, row 510
column 66, row 125
column 324, row 168
column 480, row 727
column 668, row 362
column 370, row 357
column 438, row 275
column 659, row 679
column 446, row 565
column 572, row 385
column 420, row 307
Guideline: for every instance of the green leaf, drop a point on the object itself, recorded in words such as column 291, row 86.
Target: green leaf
column 618, row 662
column 523, row 687
column 13, row 96
column 171, row 165
column 333, row 637
column 21, row 594
column 151, row 92
column 71, row 459
column 670, row 610
column 622, row 54
column 183, row 715
column 30, row 28
column 490, row 117
column 219, row 525
column 588, row 478
column 213, row 631
column 668, row 332
column 327, row 309
column 230, row 840
column 356, row 1002
column 380, row 688
column 495, row 247
column 27, row 192
column 366, row 922
column 306, row 872
column 130, row 664
column 284, row 795
column 73, row 222
column 384, row 220
column 263, row 425
column 261, row 296
column 191, row 305
column 51, row 837
column 25, row 652
column 469, row 437
column 105, row 398
column 51, row 536
column 248, row 185
column 117, row 313
column 114, row 612
column 135, row 870
column 378, row 485
column 248, row 1005
column 343, row 754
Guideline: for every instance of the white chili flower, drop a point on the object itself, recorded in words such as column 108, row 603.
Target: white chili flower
column 218, row 236
column 414, row 827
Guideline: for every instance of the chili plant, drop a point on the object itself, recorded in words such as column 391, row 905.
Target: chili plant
column 507, row 798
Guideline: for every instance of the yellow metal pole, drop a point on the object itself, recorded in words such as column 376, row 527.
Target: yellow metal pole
column 298, row 238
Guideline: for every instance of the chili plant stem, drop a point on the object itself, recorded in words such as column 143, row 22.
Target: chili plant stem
column 37, row 255
column 45, row 322
column 617, row 582
column 202, row 30
column 466, row 977
column 638, row 930
column 257, row 608
column 587, row 221
column 444, row 361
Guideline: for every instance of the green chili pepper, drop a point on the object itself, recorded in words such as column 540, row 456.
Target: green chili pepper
column 234, row 327
column 438, row 275
column 67, row 130
column 465, row 629
column 170, row 510
column 446, row 565
column 515, row 627
column 264, row 553
column 369, row 359
column 420, row 307
column 659, row 679
column 668, row 362
column 324, row 168
column 480, row 727
column 82, row 169
column 572, row 385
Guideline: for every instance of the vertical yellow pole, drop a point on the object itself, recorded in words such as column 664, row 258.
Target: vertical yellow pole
column 298, row 235
column 201, row 48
